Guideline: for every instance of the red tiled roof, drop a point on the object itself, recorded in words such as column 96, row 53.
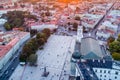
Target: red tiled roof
column 1, row 40
column 5, row 48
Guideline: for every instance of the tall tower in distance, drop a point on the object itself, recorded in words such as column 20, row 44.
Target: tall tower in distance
column 79, row 33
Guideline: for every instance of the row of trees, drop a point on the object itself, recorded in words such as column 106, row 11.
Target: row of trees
column 74, row 24
column 16, row 19
column 114, row 47
column 30, row 48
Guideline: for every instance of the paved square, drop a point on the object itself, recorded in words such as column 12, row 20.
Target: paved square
column 55, row 57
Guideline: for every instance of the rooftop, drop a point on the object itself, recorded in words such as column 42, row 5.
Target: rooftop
column 90, row 48
column 43, row 26
column 9, row 40
column 76, row 55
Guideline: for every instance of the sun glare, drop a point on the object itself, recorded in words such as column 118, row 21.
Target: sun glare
column 67, row 1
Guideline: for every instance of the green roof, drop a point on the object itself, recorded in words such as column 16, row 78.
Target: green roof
column 91, row 55
column 76, row 55
column 90, row 48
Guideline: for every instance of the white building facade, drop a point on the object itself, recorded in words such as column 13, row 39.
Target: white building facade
column 12, row 51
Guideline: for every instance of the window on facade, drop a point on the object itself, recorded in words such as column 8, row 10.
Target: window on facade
column 105, row 76
column 116, row 73
column 110, row 79
column 100, row 75
column 108, row 71
column 103, row 61
column 115, row 77
column 100, row 71
column 98, row 60
column 96, row 70
column 93, row 60
column 104, row 71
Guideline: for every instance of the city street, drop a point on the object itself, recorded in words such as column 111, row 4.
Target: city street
column 93, row 32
